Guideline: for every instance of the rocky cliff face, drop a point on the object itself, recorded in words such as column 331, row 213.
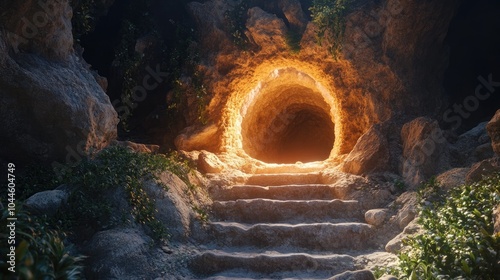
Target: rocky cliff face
column 390, row 68
column 51, row 107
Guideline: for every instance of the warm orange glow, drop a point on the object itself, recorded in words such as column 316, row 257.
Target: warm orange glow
column 292, row 82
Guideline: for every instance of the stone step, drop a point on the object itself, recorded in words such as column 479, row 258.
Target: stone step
column 311, row 236
column 282, row 192
column 214, row 262
column 284, row 179
column 272, row 211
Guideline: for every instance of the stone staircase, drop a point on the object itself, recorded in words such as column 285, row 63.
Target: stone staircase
column 283, row 226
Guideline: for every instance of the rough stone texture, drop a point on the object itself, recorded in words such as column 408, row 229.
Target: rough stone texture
column 470, row 147
column 138, row 147
column 395, row 245
column 375, row 68
column 424, row 150
column 483, row 168
column 47, row 202
column 209, row 17
column 210, row 163
column 370, row 154
column 493, row 128
column 354, row 275
column 40, row 27
column 294, row 14
column 452, row 178
column 172, row 205
column 266, row 30
column 408, row 202
column 51, row 107
column 119, row 254
column 496, row 219
column 376, row 217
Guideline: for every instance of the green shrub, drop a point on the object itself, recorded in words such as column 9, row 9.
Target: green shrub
column 40, row 251
column 329, row 17
column 458, row 239
column 117, row 167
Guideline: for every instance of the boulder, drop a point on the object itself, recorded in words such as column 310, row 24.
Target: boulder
column 452, row 178
column 119, row 254
column 395, row 244
column 483, row 168
column 171, row 205
column 408, row 211
column 493, row 128
column 40, row 27
column 210, row 163
column 354, row 275
column 471, row 146
column 266, row 30
column 370, row 154
column 47, row 202
column 51, row 107
column 210, row 19
column 376, row 217
column 424, row 150
column 294, row 14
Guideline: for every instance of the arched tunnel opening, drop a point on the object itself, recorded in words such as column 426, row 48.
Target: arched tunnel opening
column 288, row 121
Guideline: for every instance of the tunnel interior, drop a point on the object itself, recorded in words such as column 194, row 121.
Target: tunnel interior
column 288, row 121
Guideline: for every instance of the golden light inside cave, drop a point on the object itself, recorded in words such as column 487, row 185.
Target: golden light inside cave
column 286, row 112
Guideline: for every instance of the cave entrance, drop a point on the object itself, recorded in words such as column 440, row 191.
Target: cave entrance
column 287, row 120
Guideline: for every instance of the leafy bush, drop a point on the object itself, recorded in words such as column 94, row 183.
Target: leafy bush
column 458, row 241
column 329, row 17
column 40, row 251
column 113, row 168
column 235, row 21
column 85, row 13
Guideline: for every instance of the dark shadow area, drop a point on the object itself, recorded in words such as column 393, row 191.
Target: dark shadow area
column 474, row 40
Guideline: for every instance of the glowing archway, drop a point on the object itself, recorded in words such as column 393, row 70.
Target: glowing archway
column 288, row 115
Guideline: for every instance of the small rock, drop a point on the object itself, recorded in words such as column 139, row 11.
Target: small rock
column 452, row 178
column 395, row 245
column 484, row 151
column 483, row 168
column 47, row 202
column 210, row 163
column 493, row 129
column 354, row 275
column 266, row 30
column 424, row 150
column 376, row 217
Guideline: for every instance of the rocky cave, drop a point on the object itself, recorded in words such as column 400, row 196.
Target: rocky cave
column 250, row 139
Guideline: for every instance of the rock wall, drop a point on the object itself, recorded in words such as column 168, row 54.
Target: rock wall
column 390, row 67
column 51, row 107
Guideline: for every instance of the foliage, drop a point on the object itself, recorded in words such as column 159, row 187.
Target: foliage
column 40, row 251
column 112, row 168
column 329, row 17
column 84, row 17
column 293, row 40
column 35, row 178
column 235, row 21
column 458, row 241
